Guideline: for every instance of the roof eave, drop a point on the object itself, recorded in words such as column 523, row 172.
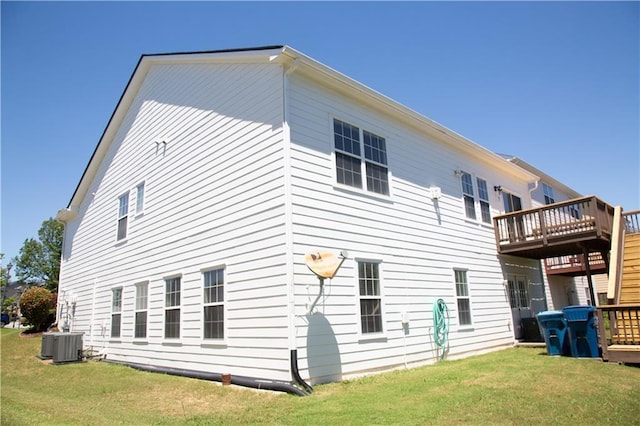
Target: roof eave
column 417, row 120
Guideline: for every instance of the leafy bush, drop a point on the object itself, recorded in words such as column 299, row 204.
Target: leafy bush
column 35, row 305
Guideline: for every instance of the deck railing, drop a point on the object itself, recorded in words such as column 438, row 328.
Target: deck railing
column 619, row 331
column 559, row 220
column 631, row 221
column 574, row 262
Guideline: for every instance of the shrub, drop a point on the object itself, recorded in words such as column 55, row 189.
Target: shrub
column 35, row 305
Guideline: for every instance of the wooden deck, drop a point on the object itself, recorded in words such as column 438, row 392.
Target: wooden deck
column 574, row 265
column 556, row 230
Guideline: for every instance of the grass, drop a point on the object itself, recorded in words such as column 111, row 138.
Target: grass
column 513, row 386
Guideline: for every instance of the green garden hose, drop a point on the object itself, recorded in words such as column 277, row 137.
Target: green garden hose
column 440, row 323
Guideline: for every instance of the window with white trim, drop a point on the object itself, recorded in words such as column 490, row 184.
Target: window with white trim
column 462, row 297
column 352, row 162
column 142, row 300
column 467, row 193
column 123, row 214
column 172, row 308
column 213, row 304
column 483, row 197
column 547, row 190
column 116, row 311
column 370, row 300
column 140, row 198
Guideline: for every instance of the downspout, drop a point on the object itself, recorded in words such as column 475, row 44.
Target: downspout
column 540, row 262
column 288, row 208
column 63, row 216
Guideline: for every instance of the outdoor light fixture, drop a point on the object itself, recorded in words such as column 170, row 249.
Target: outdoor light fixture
column 497, row 188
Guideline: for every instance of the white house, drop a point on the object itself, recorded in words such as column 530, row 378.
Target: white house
column 218, row 172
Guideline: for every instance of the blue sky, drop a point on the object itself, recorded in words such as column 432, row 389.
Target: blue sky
column 556, row 84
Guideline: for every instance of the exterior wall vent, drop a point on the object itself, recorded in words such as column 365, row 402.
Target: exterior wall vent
column 67, row 347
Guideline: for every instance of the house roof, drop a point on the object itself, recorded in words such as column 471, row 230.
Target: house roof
column 294, row 61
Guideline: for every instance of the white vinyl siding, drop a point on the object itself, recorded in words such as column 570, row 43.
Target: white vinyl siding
column 418, row 237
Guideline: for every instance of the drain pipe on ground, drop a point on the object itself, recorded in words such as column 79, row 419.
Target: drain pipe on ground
column 250, row 382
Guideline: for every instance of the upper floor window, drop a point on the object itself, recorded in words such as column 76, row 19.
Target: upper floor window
column 462, row 296
column 140, row 198
column 548, row 194
column 469, row 197
column 483, row 196
column 123, row 214
column 142, row 300
column 172, row 308
column 213, row 302
column 370, row 299
column 116, row 311
column 467, row 193
column 352, row 162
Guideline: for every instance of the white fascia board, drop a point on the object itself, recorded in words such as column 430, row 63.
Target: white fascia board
column 362, row 93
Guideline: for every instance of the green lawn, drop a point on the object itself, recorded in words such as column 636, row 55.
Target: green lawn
column 514, row 386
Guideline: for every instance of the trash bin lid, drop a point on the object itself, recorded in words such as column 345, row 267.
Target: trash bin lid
column 549, row 315
column 578, row 312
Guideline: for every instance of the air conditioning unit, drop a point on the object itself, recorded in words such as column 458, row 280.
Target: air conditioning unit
column 67, row 347
column 46, row 350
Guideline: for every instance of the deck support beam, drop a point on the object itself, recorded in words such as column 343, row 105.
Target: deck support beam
column 585, row 252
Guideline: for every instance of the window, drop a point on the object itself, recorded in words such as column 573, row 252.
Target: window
column 116, row 311
column 349, row 158
column 172, row 308
column 213, row 304
column 462, row 296
column 602, row 299
column 512, row 203
column 548, row 194
column 123, row 213
column 370, row 301
column 518, row 291
column 515, row 225
column 483, row 196
column 140, row 198
column 467, row 192
column 142, row 297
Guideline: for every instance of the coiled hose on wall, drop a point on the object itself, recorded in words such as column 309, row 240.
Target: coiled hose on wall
column 440, row 323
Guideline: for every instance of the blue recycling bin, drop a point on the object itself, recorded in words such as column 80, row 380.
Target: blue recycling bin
column 583, row 336
column 554, row 325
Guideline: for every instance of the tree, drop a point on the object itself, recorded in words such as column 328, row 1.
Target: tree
column 4, row 282
column 35, row 305
column 39, row 260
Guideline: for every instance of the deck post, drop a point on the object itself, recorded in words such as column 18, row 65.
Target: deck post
column 585, row 252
